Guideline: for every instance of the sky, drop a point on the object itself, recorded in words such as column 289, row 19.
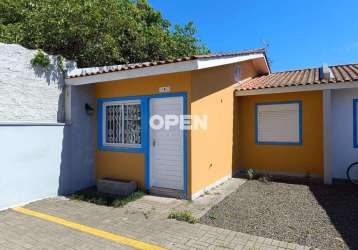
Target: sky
column 300, row 33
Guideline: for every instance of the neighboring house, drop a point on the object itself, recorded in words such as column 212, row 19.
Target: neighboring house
column 300, row 122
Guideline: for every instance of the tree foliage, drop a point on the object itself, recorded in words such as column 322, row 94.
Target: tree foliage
column 96, row 32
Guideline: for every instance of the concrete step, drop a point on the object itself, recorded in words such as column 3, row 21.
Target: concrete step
column 167, row 192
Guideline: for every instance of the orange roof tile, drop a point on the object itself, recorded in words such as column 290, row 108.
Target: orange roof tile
column 341, row 74
column 115, row 68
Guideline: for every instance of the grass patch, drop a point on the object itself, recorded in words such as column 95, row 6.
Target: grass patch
column 92, row 196
column 251, row 174
column 186, row 216
column 212, row 216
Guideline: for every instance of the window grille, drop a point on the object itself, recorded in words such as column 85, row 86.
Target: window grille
column 122, row 123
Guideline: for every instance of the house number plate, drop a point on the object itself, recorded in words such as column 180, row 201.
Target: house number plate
column 164, row 89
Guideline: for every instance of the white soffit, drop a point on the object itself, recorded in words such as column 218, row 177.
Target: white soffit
column 191, row 65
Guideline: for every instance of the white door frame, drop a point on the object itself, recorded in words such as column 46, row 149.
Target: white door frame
column 184, row 95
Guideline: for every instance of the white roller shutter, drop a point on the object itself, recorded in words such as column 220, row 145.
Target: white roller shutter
column 278, row 123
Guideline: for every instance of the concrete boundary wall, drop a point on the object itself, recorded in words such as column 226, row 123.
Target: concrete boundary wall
column 27, row 93
column 30, row 163
column 47, row 139
column 40, row 160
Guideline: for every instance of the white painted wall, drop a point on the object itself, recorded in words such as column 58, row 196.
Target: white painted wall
column 328, row 136
column 343, row 151
column 29, row 94
column 30, row 163
column 38, row 161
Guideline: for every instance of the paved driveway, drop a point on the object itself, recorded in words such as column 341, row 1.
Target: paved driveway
column 143, row 221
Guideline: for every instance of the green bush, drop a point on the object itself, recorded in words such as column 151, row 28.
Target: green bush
column 123, row 201
column 182, row 216
column 40, row 60
column 92, row 196
column 97, row 32
column 60, row 62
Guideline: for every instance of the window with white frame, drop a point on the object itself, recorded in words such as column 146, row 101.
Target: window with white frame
column 278, row 123
column 122, row 123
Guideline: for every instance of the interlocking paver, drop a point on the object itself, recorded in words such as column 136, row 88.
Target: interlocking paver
column 239, row 247
column 144, row 220
column 291, row 246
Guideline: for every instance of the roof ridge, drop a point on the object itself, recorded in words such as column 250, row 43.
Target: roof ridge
column 344, row 64
column 79, row 72
column 293, row 70
column 310, row 68
column 228, row 53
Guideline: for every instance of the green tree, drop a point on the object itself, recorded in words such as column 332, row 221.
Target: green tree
column 96, row 32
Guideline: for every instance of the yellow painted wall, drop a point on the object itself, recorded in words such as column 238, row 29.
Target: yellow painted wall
column 212, row 94
column 297, row 159
column 121, row 165
column 210, row 154
column 131, row 166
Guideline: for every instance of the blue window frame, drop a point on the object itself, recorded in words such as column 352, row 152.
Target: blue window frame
column 119, row 141
column 266, row 133
column 355, row 123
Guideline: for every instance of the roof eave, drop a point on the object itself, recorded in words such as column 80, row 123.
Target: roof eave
column 177, row 67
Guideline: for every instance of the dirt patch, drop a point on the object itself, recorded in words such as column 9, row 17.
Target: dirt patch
column 310, row 214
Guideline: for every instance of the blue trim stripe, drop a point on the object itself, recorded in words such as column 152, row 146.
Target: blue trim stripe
column 355, row 123
column 145, row 127
column 145, row 131
column 278, row 142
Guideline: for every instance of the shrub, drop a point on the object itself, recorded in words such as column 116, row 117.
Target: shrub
column 182, row 216
column 60, row 62
column 212, row 216
column 251, row 174
column 124, row 200
column 40, row 60
column 92, row 196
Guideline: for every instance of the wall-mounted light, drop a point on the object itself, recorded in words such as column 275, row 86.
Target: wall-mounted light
column 89, row 109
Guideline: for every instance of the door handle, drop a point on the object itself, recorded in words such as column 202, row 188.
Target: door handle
column 153, row 142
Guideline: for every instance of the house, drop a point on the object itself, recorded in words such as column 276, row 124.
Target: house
column 296, row 123
column 177, row 127
column 179, row 162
